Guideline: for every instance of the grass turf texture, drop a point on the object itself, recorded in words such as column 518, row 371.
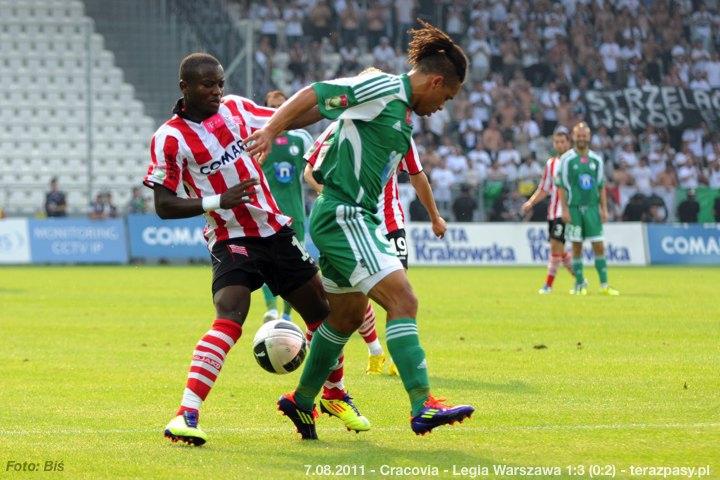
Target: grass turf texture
column 95, row 358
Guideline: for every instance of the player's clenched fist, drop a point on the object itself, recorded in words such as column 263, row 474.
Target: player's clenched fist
column 238, row 194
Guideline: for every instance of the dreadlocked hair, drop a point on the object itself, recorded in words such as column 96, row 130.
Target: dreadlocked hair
column 432, row 51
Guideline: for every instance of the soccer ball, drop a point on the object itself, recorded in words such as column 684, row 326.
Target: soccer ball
column 279, row 346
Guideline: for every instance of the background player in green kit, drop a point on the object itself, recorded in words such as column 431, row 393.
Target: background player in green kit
column 581, row 182
column 357, row 261
column 283, row 169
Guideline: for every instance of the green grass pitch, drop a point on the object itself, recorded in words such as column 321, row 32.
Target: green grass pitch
column 94, row 360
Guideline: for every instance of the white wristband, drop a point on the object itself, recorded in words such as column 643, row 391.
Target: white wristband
column 211, row 203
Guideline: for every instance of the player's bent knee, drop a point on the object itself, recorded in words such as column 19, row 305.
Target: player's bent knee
column 405, row 305
column 232, row 303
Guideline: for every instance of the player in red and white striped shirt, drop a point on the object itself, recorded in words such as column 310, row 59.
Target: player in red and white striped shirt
column 199, row 166
column 556, row 226
column 393, row 227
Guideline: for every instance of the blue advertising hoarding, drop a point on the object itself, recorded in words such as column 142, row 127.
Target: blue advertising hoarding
column 684, row 244
column 153, row 238
column 77, row 240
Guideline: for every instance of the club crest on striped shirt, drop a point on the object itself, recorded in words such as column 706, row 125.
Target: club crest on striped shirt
column 214, row 122
column 240, row 250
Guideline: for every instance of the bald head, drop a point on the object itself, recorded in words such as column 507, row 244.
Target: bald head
column 581, row 136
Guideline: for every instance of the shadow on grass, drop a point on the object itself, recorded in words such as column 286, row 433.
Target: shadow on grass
column 12, row 291
column 514, row 386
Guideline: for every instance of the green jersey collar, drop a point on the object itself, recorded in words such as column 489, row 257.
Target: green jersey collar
column 408, row 89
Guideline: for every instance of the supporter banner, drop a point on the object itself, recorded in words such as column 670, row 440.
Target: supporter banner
column 78, row 241
column 14, row 241
column 664, row 107
column 474, row 244
column 154, row 238
column 684, row 244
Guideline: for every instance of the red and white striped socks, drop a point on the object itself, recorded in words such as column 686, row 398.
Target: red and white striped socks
column 369, row 333
column 567, row 262
column 553, row 265
column 207, row 361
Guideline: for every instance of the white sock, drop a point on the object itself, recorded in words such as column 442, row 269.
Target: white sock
column 375, row 348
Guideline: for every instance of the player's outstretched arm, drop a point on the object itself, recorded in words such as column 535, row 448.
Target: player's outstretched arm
column 169, row 205
column 298, row 111
column 422, row 187
column 536, row 198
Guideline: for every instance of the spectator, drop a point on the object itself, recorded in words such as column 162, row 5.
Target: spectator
column 375, row 23
column 418, row 213
column 138, row 203
column 479, row 154
column 320, row 18
column 55, row 204
column 464, row 205
column 349, row 24
column 456, row 161
column 689, row 208
column 716, row 207
column 384, row 55
column 714, row 174
column 102, row 208
column 293, row 17
column 442, row 180
column 636, row 209
column 643, row 177
column 405, row 15
column 688, row 175
column 529, row 173
column 627, row 155
column 712, row 69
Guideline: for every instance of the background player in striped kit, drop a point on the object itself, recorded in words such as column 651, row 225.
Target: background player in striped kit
column 392, row 226
column 556, row 226
column 199, row 166
column 283, row 170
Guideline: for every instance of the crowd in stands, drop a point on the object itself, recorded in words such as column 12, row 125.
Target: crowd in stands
column 531, row 61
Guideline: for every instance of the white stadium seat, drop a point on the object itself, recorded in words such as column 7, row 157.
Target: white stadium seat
column 43, row 115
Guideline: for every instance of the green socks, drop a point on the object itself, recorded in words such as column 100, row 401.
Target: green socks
column 270, row 302
column 577, row 265
column 409, row 357
column 287, row 308
column 601, row 267
column 325, row 348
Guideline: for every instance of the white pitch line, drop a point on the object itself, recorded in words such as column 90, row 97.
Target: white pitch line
column 280, row 429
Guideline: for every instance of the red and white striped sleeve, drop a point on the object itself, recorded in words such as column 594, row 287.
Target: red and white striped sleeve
column 546, row 182
column 166, row 164
column 411, row 162
column 312, row 155
column 253, row 114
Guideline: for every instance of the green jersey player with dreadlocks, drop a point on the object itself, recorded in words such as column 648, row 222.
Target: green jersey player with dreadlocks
column 357, row 261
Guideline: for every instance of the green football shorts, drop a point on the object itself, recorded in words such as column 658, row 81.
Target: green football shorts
column 585, row 224
column 354, row 254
